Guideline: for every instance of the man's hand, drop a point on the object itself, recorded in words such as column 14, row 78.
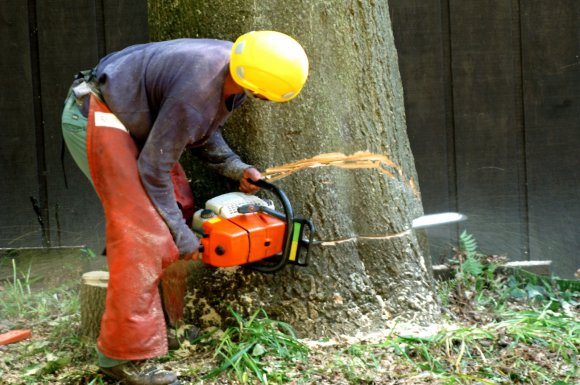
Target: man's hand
column 247, row 187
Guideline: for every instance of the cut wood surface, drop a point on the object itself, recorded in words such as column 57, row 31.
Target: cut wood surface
column 92, row 300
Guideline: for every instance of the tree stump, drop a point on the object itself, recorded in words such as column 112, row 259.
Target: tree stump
column 92, row 302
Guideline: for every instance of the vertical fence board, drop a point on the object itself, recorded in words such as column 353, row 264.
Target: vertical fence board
column 421, row 35
column 19, row 225
column 126, row 23
column 67, row 40
column 42, row 48
column 516, row 110
column 551, row 51
column 72, row 41
column 488, row 124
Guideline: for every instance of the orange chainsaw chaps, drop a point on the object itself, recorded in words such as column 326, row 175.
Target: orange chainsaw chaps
column 183, row 194
column 139, row 244
column 174, row 279
column 174, row 289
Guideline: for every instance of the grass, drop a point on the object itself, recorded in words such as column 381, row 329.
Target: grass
column 17, row 292
column 498, row 329
column 242, row 347
column 493, row 353
column 50, row 314
column 528, row 347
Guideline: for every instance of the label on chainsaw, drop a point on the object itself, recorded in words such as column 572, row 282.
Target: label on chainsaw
column 295, row 239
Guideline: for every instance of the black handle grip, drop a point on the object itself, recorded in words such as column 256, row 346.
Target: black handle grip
column 261, row 183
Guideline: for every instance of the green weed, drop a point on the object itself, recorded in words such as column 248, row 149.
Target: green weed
column 502, row 352
column 358, row 363
column 19, row 301
column 527, row 317
column 530, row 334
column 51, row 314
column 14, row 294
column 251, row 347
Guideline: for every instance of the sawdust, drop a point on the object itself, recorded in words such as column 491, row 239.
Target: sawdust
column 209, row 315
column 392, row 328
column 366, row 238
column 358, row 160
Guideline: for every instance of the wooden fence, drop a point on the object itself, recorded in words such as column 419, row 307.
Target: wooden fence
column 46, row 200
column 492, row 94
column 493, row 108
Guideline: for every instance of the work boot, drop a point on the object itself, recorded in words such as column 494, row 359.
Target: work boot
column 131, row 374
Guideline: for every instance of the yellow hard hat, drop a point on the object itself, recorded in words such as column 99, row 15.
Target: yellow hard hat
column 270, row 64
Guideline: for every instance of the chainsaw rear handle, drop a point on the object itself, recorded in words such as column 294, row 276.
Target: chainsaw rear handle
column 289, row 218
column 279, row 194
column 251, row 208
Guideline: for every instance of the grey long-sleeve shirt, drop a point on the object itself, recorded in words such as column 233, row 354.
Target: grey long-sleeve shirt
column 169, row 95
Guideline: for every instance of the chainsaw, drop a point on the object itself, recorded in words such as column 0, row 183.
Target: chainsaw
column 238, row 229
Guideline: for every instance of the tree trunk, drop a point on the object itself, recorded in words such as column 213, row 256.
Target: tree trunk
column 369, row 267
column 92, row 302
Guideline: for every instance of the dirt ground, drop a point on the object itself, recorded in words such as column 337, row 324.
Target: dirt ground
column 471, row 345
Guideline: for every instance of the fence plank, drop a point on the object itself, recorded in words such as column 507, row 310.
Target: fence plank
column 71, row 41
column 63, row 37
column 19, row 225
column 126, row 23
column 421, row 35
column 488, row 124
column 550, row 34
column 68, row 43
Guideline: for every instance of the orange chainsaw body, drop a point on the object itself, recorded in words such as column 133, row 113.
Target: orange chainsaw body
column 241, row 239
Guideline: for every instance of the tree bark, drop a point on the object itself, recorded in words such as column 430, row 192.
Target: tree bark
column 369, row 267
column 92, row 302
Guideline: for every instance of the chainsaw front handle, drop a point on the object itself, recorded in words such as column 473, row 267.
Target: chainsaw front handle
column 289, row 219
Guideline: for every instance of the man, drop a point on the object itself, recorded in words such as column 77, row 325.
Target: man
column 126, row 124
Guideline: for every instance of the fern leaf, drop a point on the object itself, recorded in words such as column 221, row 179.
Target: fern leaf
column 467, row 244
column 472, row 267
